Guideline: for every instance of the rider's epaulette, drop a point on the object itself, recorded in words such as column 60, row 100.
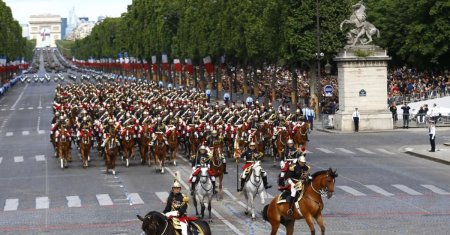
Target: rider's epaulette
column 185, row 199
column 309, row 167
column 292, row 167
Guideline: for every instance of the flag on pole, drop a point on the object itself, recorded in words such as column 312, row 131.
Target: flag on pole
column 188, row 66
column 165, row 62
column 177, row 64
column 209, row 67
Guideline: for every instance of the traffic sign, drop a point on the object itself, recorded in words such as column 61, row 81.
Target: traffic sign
column 328, row 89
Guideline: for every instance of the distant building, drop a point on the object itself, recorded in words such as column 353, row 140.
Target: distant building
column 46, row 29
column 84, row 19
column 101, row 18
column 63, row 27
column 25, row 31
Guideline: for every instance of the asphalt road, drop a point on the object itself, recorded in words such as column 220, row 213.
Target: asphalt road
column 380, row 190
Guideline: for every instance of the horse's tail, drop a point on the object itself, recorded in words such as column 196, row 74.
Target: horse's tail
column 264, row 212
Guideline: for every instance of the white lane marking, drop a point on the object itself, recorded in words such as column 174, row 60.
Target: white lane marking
column 18, row 98
column 162, row 196
column 234, row 198
column 220, row 217
column 3, row 109
column 12, row 109
column 47, row 107
column 104, row 200
column 11, row 204
column 407, row 190
column 385, row 151
column 39, row 107
column 42, row 203
column 308, row 152
column 40, row 132
column 435, row 189
column 40, row 158
column 18, row 159
column 73, row 201
column 365, row 150
column 25, row 132
column 30, row 108
column 9, row 133
column 324, row 150
column 20, row 108
column 351, row 190
column 379, row 190
column 345, row 150
column 135, row 199
column 1, row 159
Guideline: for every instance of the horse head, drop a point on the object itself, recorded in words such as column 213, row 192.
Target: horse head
column 324, row 180
column 153, row 222
column 257, row 169
column 204, row 176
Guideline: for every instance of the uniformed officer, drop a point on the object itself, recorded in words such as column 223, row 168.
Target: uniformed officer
column 176, row 207
column 250, row 156
column 203, row 157
column 297, row 173
column 291, row 155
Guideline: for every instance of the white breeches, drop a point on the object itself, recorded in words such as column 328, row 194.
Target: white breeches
column 184, row 227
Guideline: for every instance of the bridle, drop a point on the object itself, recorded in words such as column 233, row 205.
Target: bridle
column 324, row 190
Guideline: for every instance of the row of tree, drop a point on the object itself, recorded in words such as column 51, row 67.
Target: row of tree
column 12, row 44
column 261, row 32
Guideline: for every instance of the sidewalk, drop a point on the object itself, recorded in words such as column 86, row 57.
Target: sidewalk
column 442, row 154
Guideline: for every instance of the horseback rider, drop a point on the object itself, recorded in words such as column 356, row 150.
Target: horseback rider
column 213, row 141
column 296, row 175
column 251, row 155
column 176, row 208
column 290, row 157
column 203, row 157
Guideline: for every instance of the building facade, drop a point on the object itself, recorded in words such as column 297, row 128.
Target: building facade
column 46, row 29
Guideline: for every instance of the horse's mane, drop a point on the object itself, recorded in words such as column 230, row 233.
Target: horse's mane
column 333, row 173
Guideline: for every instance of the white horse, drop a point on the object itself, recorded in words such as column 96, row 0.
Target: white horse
column 203, row 191
column 253, row 187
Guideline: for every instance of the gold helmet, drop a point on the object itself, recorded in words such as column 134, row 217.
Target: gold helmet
column 176, row 181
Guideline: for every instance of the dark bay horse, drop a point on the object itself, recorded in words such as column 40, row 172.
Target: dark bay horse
column 63, row 142
column 85, row 146
column 218, row 168
column 300, row 134
column 280, row 143
column 127, row 144
column 160, row 149
column 144, row 148
column 111, row 151
column 311, row 204
column 172, row 139
column 157, row 223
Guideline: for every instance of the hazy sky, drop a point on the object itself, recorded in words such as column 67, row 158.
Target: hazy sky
column 22, row 9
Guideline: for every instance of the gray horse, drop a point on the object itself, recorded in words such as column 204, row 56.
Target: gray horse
column 253, row 187
column 203, row 191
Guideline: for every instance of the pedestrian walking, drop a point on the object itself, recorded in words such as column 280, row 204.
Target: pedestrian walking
column 405, row 109
column 432, row 134
column 356, row 116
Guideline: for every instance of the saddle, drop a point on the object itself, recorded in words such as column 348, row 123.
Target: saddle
column 193, row 228
column 283, row 196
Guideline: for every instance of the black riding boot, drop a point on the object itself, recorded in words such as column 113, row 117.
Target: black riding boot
column 266, row 184
column 225, row 168
column 192, row 188
column 280, row 182
column 214, row 187
column 291, row 201
column 242, row 185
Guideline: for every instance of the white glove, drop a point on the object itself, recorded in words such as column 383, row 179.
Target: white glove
column 193, row 168
column 172, row 214
column 294, row 161
column 282, row 164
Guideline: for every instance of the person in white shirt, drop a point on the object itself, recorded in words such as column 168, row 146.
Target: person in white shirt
column 434, row 113
column 432, row 134
column 356, row 117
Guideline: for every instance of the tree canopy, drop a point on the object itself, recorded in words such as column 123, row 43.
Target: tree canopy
column 256, row 32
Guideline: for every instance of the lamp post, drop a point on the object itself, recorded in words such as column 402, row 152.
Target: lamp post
column 319, row 55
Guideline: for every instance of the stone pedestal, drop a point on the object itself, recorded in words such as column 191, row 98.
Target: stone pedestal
column 362, row 79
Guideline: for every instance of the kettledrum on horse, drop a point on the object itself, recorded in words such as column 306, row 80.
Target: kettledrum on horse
column 308, row 207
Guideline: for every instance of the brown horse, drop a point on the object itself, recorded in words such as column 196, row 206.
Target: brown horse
column 144, row 148
column 172, row 139
column 160, row 149
column 194, row 143
column 63, row 142
column 300, row 134
column 258, row 138
column 218, row 167
column 310, row 205
column 127, row 144
column 280, row 143
column 111, row 151
column 85, row 146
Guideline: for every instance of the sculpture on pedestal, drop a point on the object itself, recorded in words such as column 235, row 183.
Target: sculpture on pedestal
column 362, row 31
